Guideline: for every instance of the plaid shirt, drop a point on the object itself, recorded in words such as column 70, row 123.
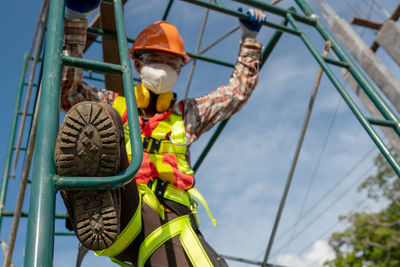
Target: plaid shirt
column 199, row 114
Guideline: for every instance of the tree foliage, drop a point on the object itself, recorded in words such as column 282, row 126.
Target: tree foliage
column 372, row 239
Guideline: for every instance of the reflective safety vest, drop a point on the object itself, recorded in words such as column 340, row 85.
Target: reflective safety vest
column 164, row 147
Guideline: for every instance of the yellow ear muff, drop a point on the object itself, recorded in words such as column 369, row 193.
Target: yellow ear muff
column 142, row 96
column 164, row 101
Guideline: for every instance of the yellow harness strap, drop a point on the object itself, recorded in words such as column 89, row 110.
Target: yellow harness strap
column 181, row 225
column 195, row 193
column 190, row 242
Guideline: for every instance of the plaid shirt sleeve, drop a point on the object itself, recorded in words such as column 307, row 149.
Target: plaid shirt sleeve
column 73, row 89
column 202, row 113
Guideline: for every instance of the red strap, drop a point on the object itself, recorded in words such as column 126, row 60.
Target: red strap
column 125, row 117
column 153, row 122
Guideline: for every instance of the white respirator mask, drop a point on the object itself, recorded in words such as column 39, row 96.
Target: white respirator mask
column 158, row 78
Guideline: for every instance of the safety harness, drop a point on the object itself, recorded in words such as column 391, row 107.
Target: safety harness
column 182, row 225
column 158, row 194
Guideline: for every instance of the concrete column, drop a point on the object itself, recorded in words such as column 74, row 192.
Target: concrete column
column 389, row 38
column 372, row 65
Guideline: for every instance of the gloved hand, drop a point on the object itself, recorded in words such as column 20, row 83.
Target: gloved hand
column 250, row 28
column 79, row 9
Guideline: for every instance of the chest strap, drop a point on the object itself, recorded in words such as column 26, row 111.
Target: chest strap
column 153, row 145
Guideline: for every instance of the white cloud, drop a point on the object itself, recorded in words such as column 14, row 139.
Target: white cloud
column 319, row 253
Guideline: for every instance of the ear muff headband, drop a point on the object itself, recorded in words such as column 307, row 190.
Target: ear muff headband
column 143, row 98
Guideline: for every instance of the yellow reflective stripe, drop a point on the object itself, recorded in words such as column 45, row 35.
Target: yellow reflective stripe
column 170, row 148
column 195, row 193
column 178, row 195
column 159, row 237
column 193, row 248
column 164, row 169
column 128, row 150
column 178, row 129
column 163, row 127
column 120, row 105
column 120, row 263
column 126, row 236
column 151, row 199
column 183, row 165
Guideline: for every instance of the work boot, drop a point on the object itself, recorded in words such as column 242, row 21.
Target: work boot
column 89, row 144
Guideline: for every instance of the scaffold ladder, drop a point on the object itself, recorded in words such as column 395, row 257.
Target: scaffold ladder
column 45, row 183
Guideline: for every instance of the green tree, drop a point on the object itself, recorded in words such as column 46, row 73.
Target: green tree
column 372, row 239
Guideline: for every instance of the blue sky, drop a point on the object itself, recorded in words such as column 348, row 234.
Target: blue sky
column 244, row 174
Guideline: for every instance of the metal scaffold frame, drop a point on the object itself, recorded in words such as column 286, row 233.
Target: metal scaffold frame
column 40, row 236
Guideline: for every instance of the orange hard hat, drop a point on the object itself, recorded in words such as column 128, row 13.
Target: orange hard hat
column 161, row 36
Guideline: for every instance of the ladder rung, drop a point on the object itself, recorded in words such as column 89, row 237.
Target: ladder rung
column 9, row 213
column 108, row 34
column 380, row 122
column 27, row 114
column 92, row 65
column 93, row 78
column 64, row 233
column 32, row 58
column 102, row 32
column 21, row 148
column 34, row 84
column 336, row 62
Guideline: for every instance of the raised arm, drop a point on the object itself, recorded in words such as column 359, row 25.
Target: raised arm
column 73, row 89
column 202, row 113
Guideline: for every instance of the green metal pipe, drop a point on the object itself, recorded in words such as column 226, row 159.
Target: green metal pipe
column 266, row 53
column 64, row 233
column 211, row 60
column 278, row 11
column 364, row 122
column 107, row 34
column 382, row 122
column 9, row 213
column 86, row 183
column 241, row 15
column 365, row 84
column 40, row 234
column 33, row 85
column 11, row 139
column 167, row 10
column 257, row 4
column 93, row 78
column 27, row 114
column 193, row 55
column 218, row 2
column 336, row 62
column 92, row 64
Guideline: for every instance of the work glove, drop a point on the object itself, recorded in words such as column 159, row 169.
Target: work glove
column 251, row 27
column 79, row 9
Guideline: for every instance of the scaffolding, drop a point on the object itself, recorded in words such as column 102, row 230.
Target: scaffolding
column 45, row 183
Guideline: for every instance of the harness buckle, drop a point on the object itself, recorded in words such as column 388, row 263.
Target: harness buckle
column 155, row 145
column 151, row 145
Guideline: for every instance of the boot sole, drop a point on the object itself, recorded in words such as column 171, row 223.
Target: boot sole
column 87, row 145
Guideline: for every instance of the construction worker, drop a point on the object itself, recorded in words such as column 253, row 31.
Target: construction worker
column 152, row 220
